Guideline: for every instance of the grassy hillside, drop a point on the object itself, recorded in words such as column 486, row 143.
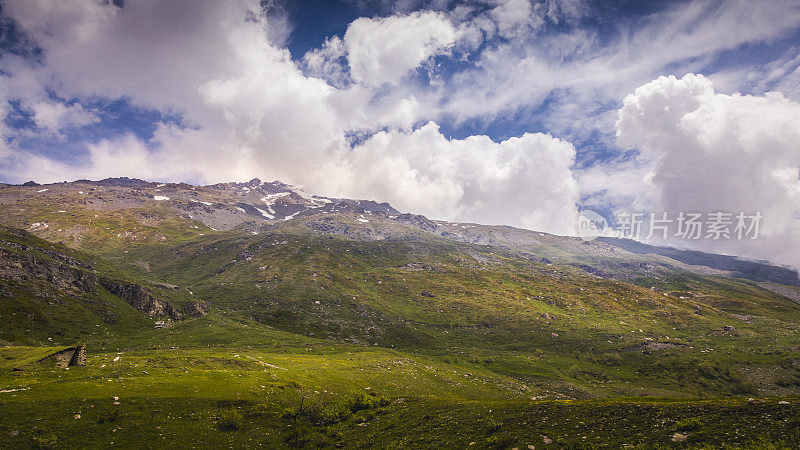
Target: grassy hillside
column 338, row 330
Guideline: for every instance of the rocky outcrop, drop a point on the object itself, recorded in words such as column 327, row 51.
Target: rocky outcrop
column 23, row 263
column 141, row 298
column 418, row 221
column 195, row 309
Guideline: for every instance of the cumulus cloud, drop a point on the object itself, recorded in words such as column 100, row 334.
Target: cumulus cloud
column 524, row 181
column 383, row 50
column 578, row 67
column 328, row 62
column 247, row 109
column 55, row 116
column 710, row 152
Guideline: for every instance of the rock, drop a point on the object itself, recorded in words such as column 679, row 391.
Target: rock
column 783, row 402
column 195, row 309
column 728, row 328
column 77, row 416
column 546, row 439
column 140, row 298
column 679, row 437
column 531, row 447
column 427, row 294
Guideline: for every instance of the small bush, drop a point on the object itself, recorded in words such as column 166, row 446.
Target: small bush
column 493, row 426
column 230, row 420
column 110, row 416
column 609, row 359
column 45, row 439
column 360, row 402
column 690, row 424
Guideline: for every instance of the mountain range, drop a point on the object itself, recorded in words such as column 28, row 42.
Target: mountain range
column 291, row 298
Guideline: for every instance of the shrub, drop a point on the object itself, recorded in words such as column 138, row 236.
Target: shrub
column 493, row 426
column 690, row 424
column 110, row 416
column 229, row 420
column 360, row 402
column 609, row 359
column 45, row 439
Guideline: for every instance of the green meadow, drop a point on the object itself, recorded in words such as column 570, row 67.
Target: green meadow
column 379, row 336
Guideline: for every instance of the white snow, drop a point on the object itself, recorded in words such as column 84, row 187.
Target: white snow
column 161, row 185
column 303, row 194
column 62, row 211
column 205, row 203
column 291, row 216
column 271, row 198
column 363, row 220
column 265, row 214
column 241, row 209
column 43, row 190
column 159, row 198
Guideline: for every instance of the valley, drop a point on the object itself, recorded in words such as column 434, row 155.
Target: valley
column 258, row 314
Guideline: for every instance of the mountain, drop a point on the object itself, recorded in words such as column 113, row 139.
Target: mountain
column 259, row 206
column 266, row 299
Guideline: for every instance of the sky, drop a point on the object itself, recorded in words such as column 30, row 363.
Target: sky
column 514, row 112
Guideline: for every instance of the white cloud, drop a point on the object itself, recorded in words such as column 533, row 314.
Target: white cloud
column 510, row 15
column 55, row 116
column 328, row 62
column 591, row 69
column 252, row 112
column 524, row 181
column 249, row 110
column 384, row 50
column 713, row 152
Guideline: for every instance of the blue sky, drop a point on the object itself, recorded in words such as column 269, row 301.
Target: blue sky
column 518, row 112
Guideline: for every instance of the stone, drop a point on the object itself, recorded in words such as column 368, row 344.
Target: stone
column 679, row 437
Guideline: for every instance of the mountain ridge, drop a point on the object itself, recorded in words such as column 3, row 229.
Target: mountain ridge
column 225, row 206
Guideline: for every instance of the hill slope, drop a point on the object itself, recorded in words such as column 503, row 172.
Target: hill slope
column 288, row 296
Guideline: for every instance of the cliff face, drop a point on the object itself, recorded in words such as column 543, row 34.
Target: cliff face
column 141, row 298
column 23, row 263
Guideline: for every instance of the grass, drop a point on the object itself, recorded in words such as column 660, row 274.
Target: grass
column 325, row 397
column 318, row 340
